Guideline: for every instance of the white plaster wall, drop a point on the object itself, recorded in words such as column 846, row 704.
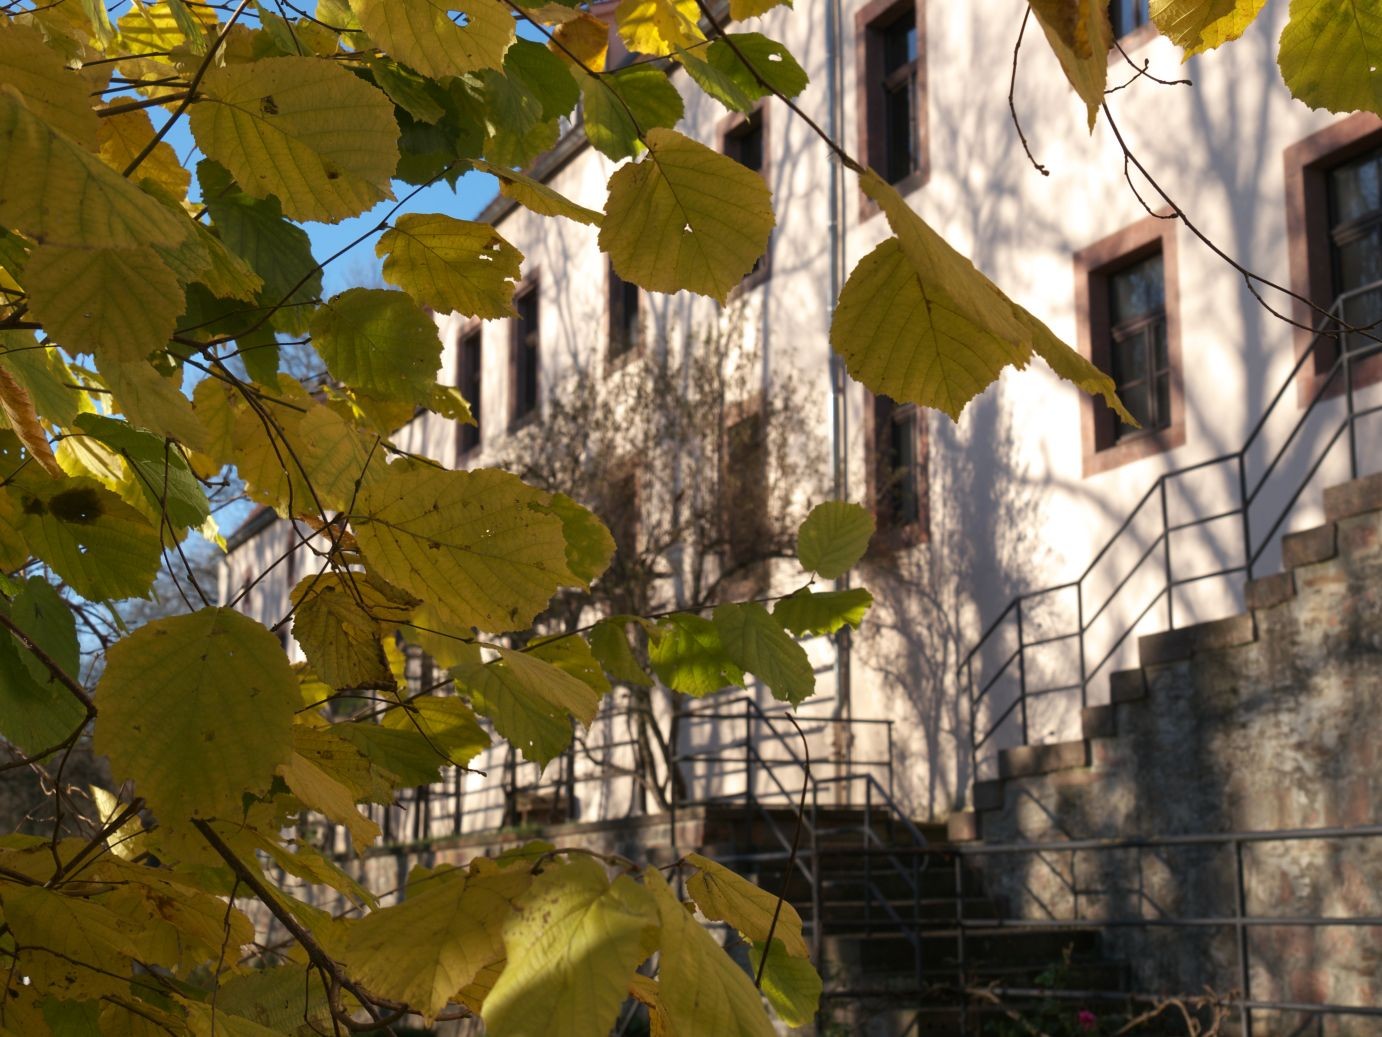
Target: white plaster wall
column 1011, row 510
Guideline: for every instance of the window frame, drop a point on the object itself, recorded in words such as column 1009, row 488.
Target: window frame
column 889, row 534
column 518, row 419
column 730, row 127
column 1308, row 163
column 472, row 332
column 869, row 24
column 1102, row 450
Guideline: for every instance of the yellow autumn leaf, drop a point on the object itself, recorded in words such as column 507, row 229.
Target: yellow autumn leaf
column 1080, row 33
column 685, row 217
column 1331, row 54
column 53, row 92
column 451, row 264
column 321, row 140
column 174, row 696
column 119, row 304
column 17, row 407
column 422, row 34
column 59, row 193
column 123, row 136
column 658, row 27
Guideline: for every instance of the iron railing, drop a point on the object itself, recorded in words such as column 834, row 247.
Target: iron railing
column 1266, row 483
column 823, row 824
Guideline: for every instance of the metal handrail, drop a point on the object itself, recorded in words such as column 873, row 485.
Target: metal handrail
column 1325, row 386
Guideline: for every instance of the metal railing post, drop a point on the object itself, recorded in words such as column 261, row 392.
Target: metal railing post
column 1246, row 505
column 1352, row 422
column 1240, row 913
column 1079, row 622
column 1166, row 558
column 749, row 796
column 1022, row 674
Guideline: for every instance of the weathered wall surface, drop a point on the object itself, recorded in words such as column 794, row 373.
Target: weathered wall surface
column 1268, row 722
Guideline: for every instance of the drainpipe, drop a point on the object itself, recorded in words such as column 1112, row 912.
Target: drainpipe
column 839, row 378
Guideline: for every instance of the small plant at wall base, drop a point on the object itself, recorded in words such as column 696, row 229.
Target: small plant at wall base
column 140, row 361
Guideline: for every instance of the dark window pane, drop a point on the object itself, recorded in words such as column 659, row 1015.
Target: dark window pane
column 898, row 496
column 744, row 143
column 621, row 515
column 899, row 135
column 1356, row 188
column 900, row 43
column 1160, row 358
column 1138, row 401
column 469, row 384
column 525, row 357
column 1360, row 262
column 1163, row 398
column 746, row 485
column 1137, row 291
column 623, row 315
column 1130, row 359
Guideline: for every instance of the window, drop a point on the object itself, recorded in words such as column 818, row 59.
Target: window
column 524, row 357
column 1138, row 359
column 621, row 515
column 744, row 139
column 897, row 442
column 468, row 381
column 1126, row 16
column 746, row 490
column 1334, row 230
column 1129, row 326
column 892, row 89
column 1355, row 242
column 624, row 327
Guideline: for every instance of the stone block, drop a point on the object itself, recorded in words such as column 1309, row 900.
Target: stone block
column 1359, row 537
column 1127, row 685
column 988, row 795
column 1356, row 497
column 1098, row 722
column 963, row 827
column 1182, row 643
column 1309, row 546
column 1027, row 760
column 1267, row 591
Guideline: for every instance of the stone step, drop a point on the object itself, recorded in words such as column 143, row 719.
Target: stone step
column 1182, row 643
column 1024, row 761
column 1356, row 497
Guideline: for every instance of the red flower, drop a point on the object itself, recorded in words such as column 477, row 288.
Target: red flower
column 1087, row 1019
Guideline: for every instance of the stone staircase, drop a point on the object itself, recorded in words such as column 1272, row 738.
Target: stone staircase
column 1268, row 721
column 893, row 955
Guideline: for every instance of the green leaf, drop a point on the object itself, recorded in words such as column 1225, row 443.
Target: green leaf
column 1331, row 54
column 59, row 193
column 407, row 89
column 335, row 622
column 17, row 412
column 421, row 34
column 518, row 130
column 806, row 614
column 278, row 252
column 95, row 541
column 572, row 653
column 609, row 642
column 422, row 951
column 480, row 545
column 446, row 722
column 152, row 401
column 160, row 472
column 536, row 196
column 321, row 140
column 621, row 105
column 319, row 791
column 688, row 656
column 36, row 711
column 451, row 264
column 700, row 987
column 54, row 93
column 756, row 642
column 917, row 322
column 44, row 375
column 772, row 61
column 177, row 697
column 589, row 545
column 529, row 700
column 380, row 342
column 572, row 949
column 1201, row 25
column 116, row 303
column 407, row 755
column 834, row 537
column 56, row 929
column 718, row 82
column 544, row 76
column 792, row 985
column 723, row 896
column 685, row 217
column 1080, row 33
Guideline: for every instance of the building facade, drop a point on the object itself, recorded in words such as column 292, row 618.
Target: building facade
column 1036, row 486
